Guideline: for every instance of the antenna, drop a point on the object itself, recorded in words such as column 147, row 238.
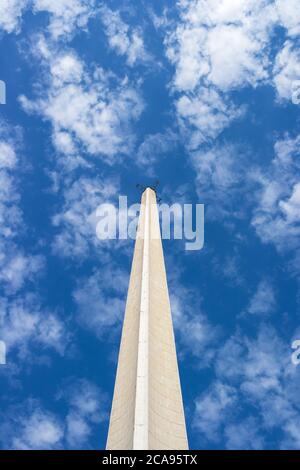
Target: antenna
column 142, row 187
column 155, row 186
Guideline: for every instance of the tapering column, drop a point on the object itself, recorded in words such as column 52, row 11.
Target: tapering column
column 147, row 410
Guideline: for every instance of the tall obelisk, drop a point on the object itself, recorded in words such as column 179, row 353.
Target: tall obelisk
column 147, row 410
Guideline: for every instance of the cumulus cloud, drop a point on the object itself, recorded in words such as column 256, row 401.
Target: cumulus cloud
column 29, row 425
column 228, row 267
column 251, row 372
column 26, row 324
column 124, row 39
column 213, row 408
column 40, row 430
column 153, row 148
column 65, row 15
column 10, row 214
column 17, row 267
column 92, row 113
column 291, row 207
column 221, row 42
column 11, row 14
column 203, row 116
column 101, row 300
column 218, row 47
column 222, row 175
column 87, row 409
column 244, row 435
column 287, row 72
column 276, row 217
column 196, row 334
column 89, row 111
column 8, row 158
column 225, row 44
column 289, row 15
column 76, row 221
column 263, row 301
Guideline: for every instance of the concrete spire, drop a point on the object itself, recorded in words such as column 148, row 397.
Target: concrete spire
column 147, row 411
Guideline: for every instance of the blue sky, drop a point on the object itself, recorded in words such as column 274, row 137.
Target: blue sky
column 204, row 96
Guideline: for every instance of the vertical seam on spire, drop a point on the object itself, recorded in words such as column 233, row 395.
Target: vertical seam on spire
column 141, row 417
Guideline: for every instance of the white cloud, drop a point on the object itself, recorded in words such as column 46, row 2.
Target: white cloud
column 219, row 46
column 39, row 430
column 244, row 435
column 234, row 57
column 291, row 207
column 101, row 300
column 217, row 168
column 25, row 324
column 289, row 15
column 276, row 218
column 153, row 148
column 28, row 425
column 11, row 14
column 287, row 72
column 66, row 69
column 254, row 391
column 229, row 269
column 124, row 39
column 65, row 15
column 9, row 191
column 19, row 268
column 212, row 409
column 8, row 157
column 222, row 175
column 195, row 333
column 10, row 214
column 262, row 364
column 204, row 115
column 221, row 43
column 92, row 114
column 89, row 112
column 16, row 266
column 77, row 218
column 87, row 408
column 263, row 300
